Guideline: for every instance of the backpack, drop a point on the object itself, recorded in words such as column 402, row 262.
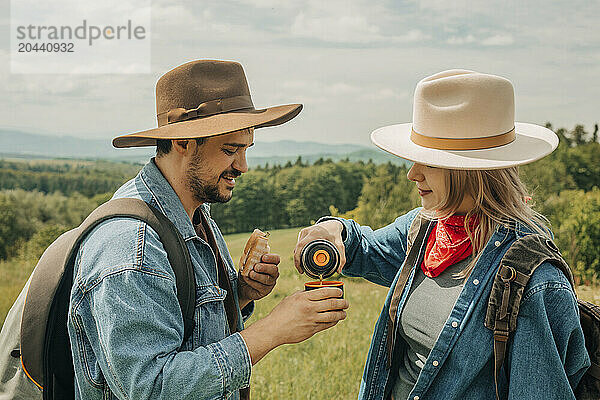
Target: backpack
column 36, row 359
column 516, row 267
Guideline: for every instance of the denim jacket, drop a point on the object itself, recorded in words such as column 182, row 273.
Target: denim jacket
column 125, row 324
column 546, row 355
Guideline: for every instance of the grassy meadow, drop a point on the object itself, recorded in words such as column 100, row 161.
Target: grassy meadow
column 327, row 366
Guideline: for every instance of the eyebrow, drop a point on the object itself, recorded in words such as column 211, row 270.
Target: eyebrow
column 238, row 144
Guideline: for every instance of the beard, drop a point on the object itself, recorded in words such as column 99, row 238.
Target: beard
column 206, row 190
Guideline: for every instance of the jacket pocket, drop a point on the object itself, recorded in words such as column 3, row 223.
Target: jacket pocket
column 211, row 319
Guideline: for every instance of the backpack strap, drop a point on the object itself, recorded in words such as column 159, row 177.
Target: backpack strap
column 415, row 240
column 177, row 252
column 589, row 316
column 415, row 246
column 43, row 325
column 516, row 268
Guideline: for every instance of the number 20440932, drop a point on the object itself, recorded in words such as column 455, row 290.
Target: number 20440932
column 45, row 47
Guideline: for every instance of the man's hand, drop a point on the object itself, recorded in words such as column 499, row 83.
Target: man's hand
column 304, row 313
column 330, row 230
column 260, row 281
column 296, row 318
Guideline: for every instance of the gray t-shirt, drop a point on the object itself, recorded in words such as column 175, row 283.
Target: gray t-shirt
column 427, row 308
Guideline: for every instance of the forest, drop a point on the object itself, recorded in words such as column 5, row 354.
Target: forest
column 41, row 199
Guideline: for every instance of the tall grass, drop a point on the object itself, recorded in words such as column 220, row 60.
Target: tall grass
column 13, row 275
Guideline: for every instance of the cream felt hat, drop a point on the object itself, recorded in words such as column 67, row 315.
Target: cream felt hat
column 465, row 120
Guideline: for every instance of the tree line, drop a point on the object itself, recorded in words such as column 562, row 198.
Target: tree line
column 40, row 200
column 67, row 177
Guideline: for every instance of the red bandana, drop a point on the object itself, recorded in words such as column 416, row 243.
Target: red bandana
column 447, row 244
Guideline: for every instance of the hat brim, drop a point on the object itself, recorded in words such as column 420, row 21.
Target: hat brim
column 213, row 125
column 532, row 142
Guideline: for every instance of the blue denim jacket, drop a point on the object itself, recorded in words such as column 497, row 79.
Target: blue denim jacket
column 546, row 356
column 125, row 323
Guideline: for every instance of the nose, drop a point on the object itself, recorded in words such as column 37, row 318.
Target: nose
column 414, row 173
column 240, row 163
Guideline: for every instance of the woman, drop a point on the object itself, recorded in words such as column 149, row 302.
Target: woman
column 430, row 341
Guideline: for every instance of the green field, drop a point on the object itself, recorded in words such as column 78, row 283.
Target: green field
column 327, row 366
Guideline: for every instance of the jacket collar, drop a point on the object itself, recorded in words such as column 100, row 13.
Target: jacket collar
column 518, row 228
column 167, row 200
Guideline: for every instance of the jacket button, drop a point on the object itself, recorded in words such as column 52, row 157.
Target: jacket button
column 497, row 243
column 416, row 398
column 454, row 324
column 475, row 281
column 435, row 363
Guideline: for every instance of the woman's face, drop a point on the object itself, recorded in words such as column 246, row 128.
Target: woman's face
column 431, row 182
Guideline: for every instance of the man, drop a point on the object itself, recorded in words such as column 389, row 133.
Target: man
column 125, row 324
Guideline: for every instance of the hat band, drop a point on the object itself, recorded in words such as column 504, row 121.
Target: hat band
column 205, row 109
column 462, row 143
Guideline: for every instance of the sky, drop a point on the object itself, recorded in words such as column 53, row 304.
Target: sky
column 353, row 64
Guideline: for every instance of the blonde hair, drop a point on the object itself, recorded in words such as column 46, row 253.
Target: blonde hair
column 500, row 199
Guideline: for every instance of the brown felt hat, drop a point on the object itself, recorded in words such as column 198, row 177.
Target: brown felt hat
column 205, row 98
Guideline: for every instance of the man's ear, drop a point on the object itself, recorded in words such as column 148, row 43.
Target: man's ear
column 181, row 146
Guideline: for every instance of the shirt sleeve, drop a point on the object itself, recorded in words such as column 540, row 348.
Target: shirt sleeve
column 375, row 255
column 547, row 356
column 131, row 318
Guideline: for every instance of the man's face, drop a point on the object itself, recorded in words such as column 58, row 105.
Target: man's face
column 215, row 165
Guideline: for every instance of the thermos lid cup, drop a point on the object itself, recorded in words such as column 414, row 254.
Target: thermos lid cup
column 320, row 259
column 321, row 284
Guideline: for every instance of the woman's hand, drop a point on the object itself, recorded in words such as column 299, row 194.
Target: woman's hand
column 330, row 230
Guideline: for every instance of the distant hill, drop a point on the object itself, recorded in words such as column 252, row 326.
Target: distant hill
column 17, row 144
column 24, row 144
column 375, row 155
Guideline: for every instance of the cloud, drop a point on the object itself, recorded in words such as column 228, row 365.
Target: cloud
column 457, row 40
column 339, row 29
column 414, row 35
column 187, row 27
column 317, row 92
column 455, row 7
column 494, row 40
column 172, row 14
column 385, row 94
column 268, row 3
column 34, row 88
column 312, row 91
column 348, row 29
column 498, row 40
column 334, row 22
column 358, row 22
